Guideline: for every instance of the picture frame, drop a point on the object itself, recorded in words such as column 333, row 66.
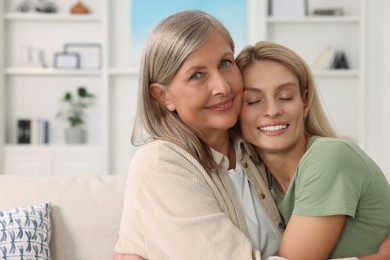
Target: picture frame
column 288, row 8
column 89, row 53
column 67, row 60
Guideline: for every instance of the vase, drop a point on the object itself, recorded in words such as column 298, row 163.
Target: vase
column 79, row 8
column 75, row 135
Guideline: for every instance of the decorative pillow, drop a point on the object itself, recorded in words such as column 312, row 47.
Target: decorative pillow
column 25, row 232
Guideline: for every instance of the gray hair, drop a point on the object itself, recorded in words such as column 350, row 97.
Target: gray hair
column 166, row 49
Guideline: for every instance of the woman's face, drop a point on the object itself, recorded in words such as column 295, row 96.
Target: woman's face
column 207, row 90
column 272, row 116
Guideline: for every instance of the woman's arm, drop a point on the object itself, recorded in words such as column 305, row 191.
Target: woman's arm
column 383, row 253
column 310, row 237
column 315, row 237
column 173, row 210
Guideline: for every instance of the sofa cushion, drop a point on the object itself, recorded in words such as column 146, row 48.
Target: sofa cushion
column 25, row 232
column 85, row 215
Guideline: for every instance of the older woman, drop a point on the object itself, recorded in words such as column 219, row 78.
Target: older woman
column 191, row 178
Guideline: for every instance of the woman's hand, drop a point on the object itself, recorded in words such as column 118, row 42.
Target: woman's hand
column 384, row 249
column 383, row 252
column 117, row 256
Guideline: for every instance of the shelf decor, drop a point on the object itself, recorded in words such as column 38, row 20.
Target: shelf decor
column 43, row 6
column 66, row 60
column 89, row 54
column 288, row 8
column 79, row 8
column 73, row 111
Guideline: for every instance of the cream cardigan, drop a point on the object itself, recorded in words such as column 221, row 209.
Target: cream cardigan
column 174, row 209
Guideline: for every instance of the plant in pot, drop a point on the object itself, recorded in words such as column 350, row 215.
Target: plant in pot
column 72, row 110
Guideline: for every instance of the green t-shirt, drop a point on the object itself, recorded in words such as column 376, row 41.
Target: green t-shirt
column 335, row 177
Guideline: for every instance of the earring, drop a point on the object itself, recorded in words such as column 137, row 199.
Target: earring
column 170, row 108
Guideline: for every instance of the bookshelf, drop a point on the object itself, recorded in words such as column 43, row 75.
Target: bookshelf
column 109, row 123
column 21, row 87
column 343, row 91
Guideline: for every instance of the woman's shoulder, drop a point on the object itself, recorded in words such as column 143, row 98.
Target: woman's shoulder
column 332, row 144
column 337, row 151
column 160, row 152
column 332, row 151
column 160, row 149
column 156, row 144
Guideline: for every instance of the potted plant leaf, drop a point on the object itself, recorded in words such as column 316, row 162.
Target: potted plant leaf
column 73, row 107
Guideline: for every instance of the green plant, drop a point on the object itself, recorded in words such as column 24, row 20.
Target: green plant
column 73, row 106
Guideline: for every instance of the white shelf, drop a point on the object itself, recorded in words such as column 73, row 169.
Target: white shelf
column 336, row 73
column 51, row 148
column 124, row 72
column 51, row 17
column 108, row 24
column 314, row 19
column 49, row 32
column 51, row 72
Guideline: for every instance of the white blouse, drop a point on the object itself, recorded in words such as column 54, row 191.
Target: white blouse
column 263, row 233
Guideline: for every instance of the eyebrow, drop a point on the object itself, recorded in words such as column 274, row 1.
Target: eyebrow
column 284, row 85
column 194, row 68
column 199, row 67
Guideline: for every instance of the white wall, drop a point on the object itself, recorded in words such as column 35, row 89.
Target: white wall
column 378, row 80
column 385, row 160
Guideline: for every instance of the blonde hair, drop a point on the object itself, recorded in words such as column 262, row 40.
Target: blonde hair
column 316, row 122
column 167, row 47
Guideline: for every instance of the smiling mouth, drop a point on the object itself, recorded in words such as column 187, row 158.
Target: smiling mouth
column 222, row 106
column 273, row 128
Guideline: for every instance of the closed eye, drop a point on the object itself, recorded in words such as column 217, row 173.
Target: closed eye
column 249, row 103
column 286, row 98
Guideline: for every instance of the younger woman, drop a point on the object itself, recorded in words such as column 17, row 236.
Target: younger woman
column 334, row 199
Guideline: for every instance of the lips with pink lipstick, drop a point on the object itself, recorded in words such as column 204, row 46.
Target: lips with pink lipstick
column 223, row 106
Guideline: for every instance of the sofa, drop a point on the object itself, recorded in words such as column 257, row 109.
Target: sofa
column 85, row 210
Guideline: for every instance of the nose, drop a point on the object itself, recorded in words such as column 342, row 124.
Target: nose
column 219, row 84
column 272, row 108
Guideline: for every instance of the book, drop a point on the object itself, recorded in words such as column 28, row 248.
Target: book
column 23, row 131
column 329, row 62
column 45, row 130
column 33, row 131
column 326, row 58
column 337, row 11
